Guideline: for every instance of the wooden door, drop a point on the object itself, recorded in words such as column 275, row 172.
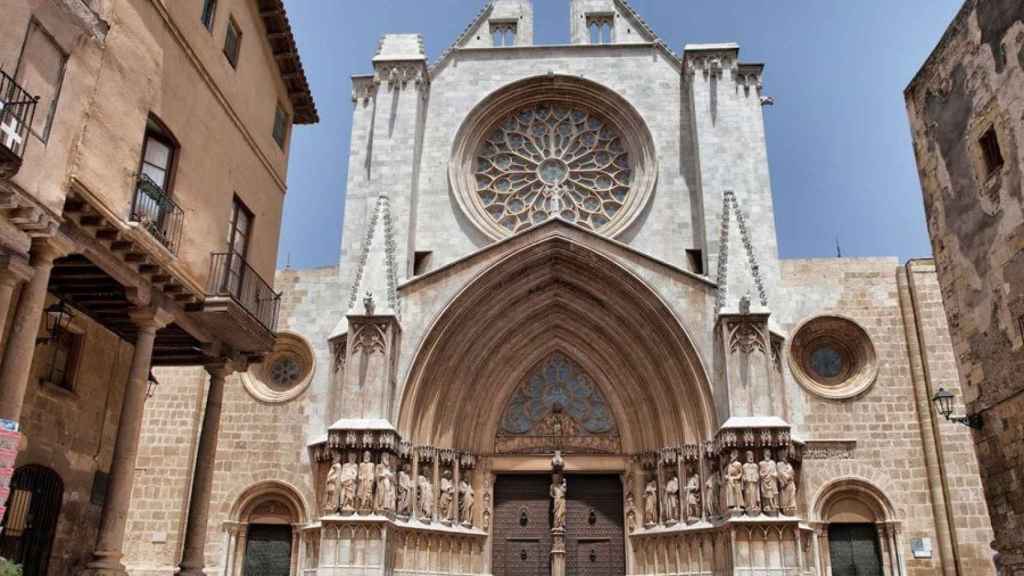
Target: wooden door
column 595, row 539
column 522, row 526
column 854, row 550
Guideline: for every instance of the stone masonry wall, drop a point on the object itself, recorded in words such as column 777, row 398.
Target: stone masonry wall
column 973, row 85
column 884, row 421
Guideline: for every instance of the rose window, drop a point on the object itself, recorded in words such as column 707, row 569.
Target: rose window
column 553, row 159
column 285, row 372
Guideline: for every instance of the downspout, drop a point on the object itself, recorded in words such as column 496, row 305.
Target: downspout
column 945, row 533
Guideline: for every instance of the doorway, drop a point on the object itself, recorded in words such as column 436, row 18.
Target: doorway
column 31, row 518
column 854, row 550
column 268, row 550
column 594, row 541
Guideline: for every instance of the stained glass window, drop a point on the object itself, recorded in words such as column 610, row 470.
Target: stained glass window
column 557, row 386
column 553, row 158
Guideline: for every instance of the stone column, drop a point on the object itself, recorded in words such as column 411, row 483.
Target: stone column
column 14, row 270
column 192, row 561
column 21, row 347
column 106, row 557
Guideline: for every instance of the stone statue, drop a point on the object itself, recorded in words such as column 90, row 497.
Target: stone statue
column 651, row 503
column 466, row 502
column 425, row 498
column 630, row 513
column 486, row 524
column 751, row 486
column 787, row 486
column 712, row 495
column 693, row 498
column 734, row 483
column 364, row 492
column 331, row 485
column 672, row 499
column 445, row 497
column 405, row 488
column 769, row 474
column 385, row 501
column 349, row 475
column 558, row 493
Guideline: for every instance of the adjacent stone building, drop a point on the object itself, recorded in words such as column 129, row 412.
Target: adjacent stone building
column 966, row 109
column 143, row 159
column 560, row 340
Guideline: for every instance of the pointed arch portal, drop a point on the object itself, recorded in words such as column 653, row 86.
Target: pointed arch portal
column 557, row 299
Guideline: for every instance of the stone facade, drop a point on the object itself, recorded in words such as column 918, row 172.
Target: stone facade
column 669, row 342
column 965, row 108
column 133, row 133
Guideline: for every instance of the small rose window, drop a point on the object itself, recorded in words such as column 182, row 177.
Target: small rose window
column 833, row 357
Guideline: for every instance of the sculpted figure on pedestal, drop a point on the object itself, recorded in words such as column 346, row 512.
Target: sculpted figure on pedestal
column 466, row 502
column 558, row 492
column 405, row 488
column 331, row 486
column 693, row 499
column 349, row 475
column 446, row 497
column 364, row 492
column 651, row 503
column 734, row 483
column 751, row 486
column 425, row 498
column 769, row 474
column 630, row 512
column 385, row 501
column 787, row 486
column 712, row 495
column 486, row 522
column 672, row 499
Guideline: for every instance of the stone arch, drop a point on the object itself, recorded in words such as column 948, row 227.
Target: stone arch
column 556, row 293
column 852, row 499
column 247, row 504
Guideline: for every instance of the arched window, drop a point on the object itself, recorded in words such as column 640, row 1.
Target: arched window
column 264, row 536
column 30, row 522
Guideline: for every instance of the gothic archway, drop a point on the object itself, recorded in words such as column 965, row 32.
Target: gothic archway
column 265, row 528
column 557, row 294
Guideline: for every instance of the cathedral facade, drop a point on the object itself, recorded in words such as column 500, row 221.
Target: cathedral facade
column 560, row 340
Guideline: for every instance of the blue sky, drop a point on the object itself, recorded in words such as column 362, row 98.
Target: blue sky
column 839, row 147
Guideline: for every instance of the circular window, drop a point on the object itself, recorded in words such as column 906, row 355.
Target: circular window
column 285, row 373
column 833, row 357
column 552, row 147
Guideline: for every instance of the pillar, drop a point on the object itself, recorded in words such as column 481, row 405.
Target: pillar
column 106, row 557
column 192, row 560
column 20, row 349
column 14, row 270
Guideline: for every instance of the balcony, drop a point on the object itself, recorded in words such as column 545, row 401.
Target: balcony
column 240, row 304
column 17, row 111
column 154, row 210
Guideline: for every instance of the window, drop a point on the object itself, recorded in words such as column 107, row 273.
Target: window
column 209, row 11
column 232, row 42
column 503, row 34
column 602, row 28
column 695, row 258
column 62, row 359
column 421, row 262
column 158, row 152
column 990, row 151
column 239, row 230
column 281, row 124
column 41, row 72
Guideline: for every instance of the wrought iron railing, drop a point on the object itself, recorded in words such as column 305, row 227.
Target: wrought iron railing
column 17, row 112
column 231, row 275
column 157, row 213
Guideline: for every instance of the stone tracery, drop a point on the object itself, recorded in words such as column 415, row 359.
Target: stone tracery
column 551, row 159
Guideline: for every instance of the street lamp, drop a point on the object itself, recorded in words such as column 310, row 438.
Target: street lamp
column 58, row 318
column 943, row 400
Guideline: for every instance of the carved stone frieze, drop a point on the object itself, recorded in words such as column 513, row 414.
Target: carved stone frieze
column 829, row 450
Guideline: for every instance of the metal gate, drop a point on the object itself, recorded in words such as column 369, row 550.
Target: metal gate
column 595, row 541
column 854, row 550
column 31, row 519
column 268, row 550
column 522, row 526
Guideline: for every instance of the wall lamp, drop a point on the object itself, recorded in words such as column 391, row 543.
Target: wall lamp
column 943, row 400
